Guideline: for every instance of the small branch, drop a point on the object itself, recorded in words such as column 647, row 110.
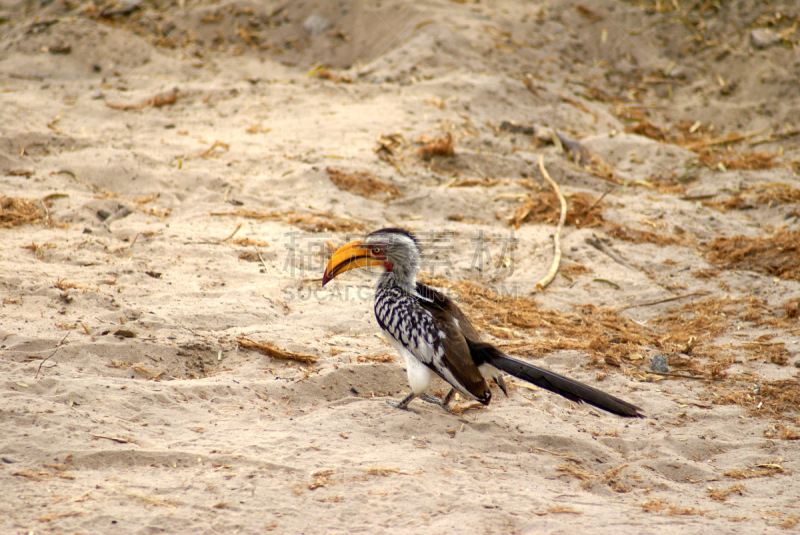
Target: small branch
column 773, row 137
column 134, row 240
column 557, row 238
column 51, row 354
column 595, row 242
column 46, row 213
column 263, row 263
column 234, row 232
column 124, row 211
column 681, row 376
column 274, row 352
column 733, row 138
column 116, row 439
column 667, row 300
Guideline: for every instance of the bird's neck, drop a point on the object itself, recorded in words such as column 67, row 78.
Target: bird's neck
column 407, row 281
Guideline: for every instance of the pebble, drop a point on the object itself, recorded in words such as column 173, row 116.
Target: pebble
column 763, row 38
column 659, row 364
column 315, row 24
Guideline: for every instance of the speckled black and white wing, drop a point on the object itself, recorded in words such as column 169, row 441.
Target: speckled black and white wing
column 432, row 337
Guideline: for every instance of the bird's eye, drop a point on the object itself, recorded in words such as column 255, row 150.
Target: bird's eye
column 376, row 250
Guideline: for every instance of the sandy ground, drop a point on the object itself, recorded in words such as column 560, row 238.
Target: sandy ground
column 175, row 174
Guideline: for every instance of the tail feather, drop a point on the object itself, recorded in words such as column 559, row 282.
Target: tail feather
column 558, row 384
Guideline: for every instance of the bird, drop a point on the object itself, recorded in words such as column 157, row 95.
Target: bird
column 435, row 337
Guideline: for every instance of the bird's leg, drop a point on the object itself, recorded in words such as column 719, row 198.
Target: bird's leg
column 404, row 403
column 442, row 402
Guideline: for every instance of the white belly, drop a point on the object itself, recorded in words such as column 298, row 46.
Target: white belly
column 419, row 375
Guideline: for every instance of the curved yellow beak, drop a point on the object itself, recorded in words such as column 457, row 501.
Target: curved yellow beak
column 351, row 256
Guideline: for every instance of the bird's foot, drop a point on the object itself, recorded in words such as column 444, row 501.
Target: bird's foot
column 432, row 399
column 402, row 404
column 443, row 403
column 398, row 404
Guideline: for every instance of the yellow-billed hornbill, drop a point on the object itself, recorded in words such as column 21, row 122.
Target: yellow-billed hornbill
column 434, row 336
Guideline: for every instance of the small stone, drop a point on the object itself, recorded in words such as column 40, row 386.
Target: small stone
column 763, row 38
column 60, row 48
column 659, row 364
column 315, row 24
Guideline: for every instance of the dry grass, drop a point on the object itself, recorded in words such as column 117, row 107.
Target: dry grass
column 610, row 477
column 781, row 432
column 792, row 307
column 247, row 242
column 375, row 358
column 709, row 273
column 776, row 398
column 442, row 146
column 702, row 320
column 583, row 210
column 630, row 234
column 684, row 511
column 790, row 522
column 762, row 470
column 166, row 98
column 721, row 495
column 575, row 470
column 647, row 129
column 320, row 222
column 778, row 255
column 559, row 509
column 737, row 160
column 17, row 211
column 382, row 471
column 712, row 150
column 654, row 506
column 363, row 183
column 770, row 194
column 574, row 270
column 458, row 410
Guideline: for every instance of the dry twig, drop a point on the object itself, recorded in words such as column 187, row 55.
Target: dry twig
column 159, row 100
column 595, row 242
column 232, row 233
column 274, row 352
column 557, row 238
column 51, row 354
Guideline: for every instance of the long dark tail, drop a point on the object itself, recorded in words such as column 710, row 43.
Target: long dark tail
column 564, row 386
